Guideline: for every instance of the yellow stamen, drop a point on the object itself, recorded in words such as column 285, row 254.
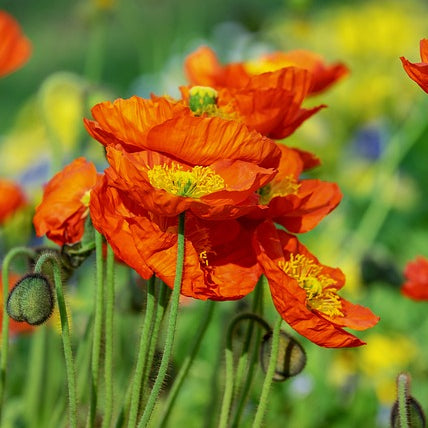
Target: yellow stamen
column 85, row 199
column 195, row 183
column 320, row 293
column 285, row 187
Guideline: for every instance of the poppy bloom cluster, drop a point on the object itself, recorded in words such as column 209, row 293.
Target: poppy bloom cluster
column 212, row 155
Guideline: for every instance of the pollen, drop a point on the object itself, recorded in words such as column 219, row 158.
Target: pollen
column 195, row 183
column 285, row 187
column 85, row 199
column 321, row 295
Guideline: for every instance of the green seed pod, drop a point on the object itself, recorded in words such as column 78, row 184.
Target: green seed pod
column 31, row 300
column 291, row 356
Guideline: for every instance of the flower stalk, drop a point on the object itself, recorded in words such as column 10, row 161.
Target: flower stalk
column 169, row 341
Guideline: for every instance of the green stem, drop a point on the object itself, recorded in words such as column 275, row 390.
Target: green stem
column 163, row 300
column 96, row 49
column 379, row 207
column 184, row 370
column 98, row 324
column 108, row 362
column 142, row 354
column 69, row 363
column 257, row 309
column 19, row 251
column 229, row 376
column 243, row 358
column 35, row 377
column 403, row 394
column 172, row 321
column 269, row 375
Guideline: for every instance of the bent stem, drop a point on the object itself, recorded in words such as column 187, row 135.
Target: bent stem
column 142, row 354
column 19, row 251
column 169, row 340
column 269, row 375
column 69, row 363
column 184, row 370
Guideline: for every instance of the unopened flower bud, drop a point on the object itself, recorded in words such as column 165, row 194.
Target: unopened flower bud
column 291, row 356
column 409, row 414
column 31, row 300
column 202, row 99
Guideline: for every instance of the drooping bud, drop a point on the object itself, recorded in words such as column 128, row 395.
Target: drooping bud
column 31, row 300
column 406, row 411
column 291, row 356
column 202, row 99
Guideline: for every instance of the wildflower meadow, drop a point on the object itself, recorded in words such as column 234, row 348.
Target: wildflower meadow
column 213, row 214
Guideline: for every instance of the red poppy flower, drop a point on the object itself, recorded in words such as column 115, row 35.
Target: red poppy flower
column 61, row 214
column 418, row 71
column 416, row 285
column 203, row 68
column 170, row 160
column 219, row 262
column 15, row 48
column 14, row 326
column 11, row 199
column 295, row 203
column 304, row 291
column 270, row 103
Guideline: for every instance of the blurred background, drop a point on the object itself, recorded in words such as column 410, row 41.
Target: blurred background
column 372, row 140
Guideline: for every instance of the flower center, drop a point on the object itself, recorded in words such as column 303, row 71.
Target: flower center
column 195, row 183
column 320, row 293
column 285, row 187
column 203, row 99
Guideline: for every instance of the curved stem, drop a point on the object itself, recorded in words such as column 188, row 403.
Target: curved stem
column 169, row 340
column 69, row 363
column 108, row 363
column 19, row 251
column 98, row 324
column 269, row 375
column 184, row 370
column 142, row 354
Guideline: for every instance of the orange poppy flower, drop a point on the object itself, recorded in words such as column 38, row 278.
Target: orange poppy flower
column 61, row 214
column 170, row 160
column 304, row 291
column 298, row 205
column 416, row 285
column 270, row 103
column 15, row 48
column 419, row 71
column 11, row 199
column 14, row 326
column 219, row 262
column 203, row 68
